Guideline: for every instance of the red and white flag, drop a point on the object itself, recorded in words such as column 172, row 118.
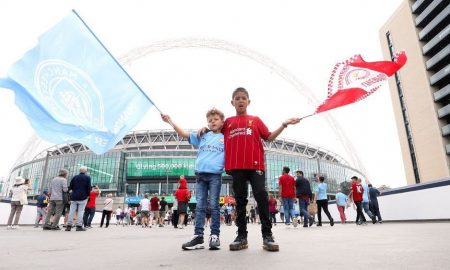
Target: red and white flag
column 356, row 79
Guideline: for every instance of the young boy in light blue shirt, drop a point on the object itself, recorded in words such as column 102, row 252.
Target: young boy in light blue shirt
column 209, row 167
column 341, row 203
column 365, row 202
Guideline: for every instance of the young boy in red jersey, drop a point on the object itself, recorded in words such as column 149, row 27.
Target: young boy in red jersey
column 357, row 194
column 244, row 161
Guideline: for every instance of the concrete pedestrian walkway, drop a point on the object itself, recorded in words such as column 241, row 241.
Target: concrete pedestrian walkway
column 379, row 246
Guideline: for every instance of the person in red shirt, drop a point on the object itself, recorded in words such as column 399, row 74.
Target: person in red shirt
column 183, row 195
column 89, row 211
column 286, row 184
column 357, row 194
column 272, row 209
column 244, row 161
column 154, row 208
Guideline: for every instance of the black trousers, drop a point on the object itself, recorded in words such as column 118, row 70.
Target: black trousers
column 175, row 218
column 359, row 213
column 323, row 204
column 240, row 187
column 107, row 214
column 273, row 218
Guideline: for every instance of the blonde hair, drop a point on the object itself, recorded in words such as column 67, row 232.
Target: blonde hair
column 215, row 111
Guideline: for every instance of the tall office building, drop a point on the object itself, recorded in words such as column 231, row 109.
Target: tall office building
column 421, row 90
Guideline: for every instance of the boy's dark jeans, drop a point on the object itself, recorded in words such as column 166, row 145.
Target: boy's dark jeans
column 240, row 187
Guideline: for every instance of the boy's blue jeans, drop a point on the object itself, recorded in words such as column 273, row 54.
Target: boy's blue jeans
column 207, row 183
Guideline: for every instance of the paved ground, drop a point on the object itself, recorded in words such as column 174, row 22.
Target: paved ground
column 380, row 246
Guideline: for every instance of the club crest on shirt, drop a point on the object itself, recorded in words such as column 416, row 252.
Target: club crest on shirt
column 250, row 123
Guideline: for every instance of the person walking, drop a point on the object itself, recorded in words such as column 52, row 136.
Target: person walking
column 373, row 194
column 341, row 203
column 183, row 196
column 107, row 210
column 322, row 201
column 281, row 211
column 80, row 185
column 154, row 209
column 18, row 200
column 273, row 209
column 357, row 195
column 41, row 208
column 163, row 208
column 286, row 184
column 58, row 186
column 252, row 214
column 175, row 216
column 145, row 211
column 365, row 202
column 304, row 194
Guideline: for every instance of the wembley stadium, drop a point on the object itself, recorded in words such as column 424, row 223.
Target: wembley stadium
column 152, row 161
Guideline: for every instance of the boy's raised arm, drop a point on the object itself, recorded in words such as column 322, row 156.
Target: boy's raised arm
column 274, row 134
column 179, row 130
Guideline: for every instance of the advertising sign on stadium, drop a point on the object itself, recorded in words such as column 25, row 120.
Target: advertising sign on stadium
column 161, row 167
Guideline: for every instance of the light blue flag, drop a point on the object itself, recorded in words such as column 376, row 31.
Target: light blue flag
column 73, row 90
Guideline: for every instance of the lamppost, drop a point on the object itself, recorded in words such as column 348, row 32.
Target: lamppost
column 167, row 181
column 125, row 195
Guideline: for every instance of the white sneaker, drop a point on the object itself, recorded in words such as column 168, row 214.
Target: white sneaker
column 295, row 222
column 8, row 227
column 214, row 242
column 15, row 227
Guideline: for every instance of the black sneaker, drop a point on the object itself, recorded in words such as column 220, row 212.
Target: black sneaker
column 332, row 222
column 374, row 219
column 56, row 228
column 239, row 243
column 68, row 228
column 311, row 221
column 81, row 229
column 269, row 243
column 319, row 225
column 214, row 242
column 195, row 243
column 46, row 228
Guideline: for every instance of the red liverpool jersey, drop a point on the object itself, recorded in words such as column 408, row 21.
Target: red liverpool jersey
column 243, row 146
column 357, row 192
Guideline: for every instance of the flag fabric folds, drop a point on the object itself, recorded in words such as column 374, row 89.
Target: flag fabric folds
column 356, row 79
column 73, row 90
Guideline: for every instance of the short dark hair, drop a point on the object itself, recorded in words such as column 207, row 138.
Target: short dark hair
column 299, row 172
column 321, row 178
column 354, row 178
column 370, row 185
column 286, row 169
column 240, row 90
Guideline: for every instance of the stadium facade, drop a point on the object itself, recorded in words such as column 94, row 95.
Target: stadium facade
column 152, row 161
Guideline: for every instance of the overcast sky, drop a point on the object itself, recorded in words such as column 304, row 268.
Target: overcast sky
column 281, row 51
